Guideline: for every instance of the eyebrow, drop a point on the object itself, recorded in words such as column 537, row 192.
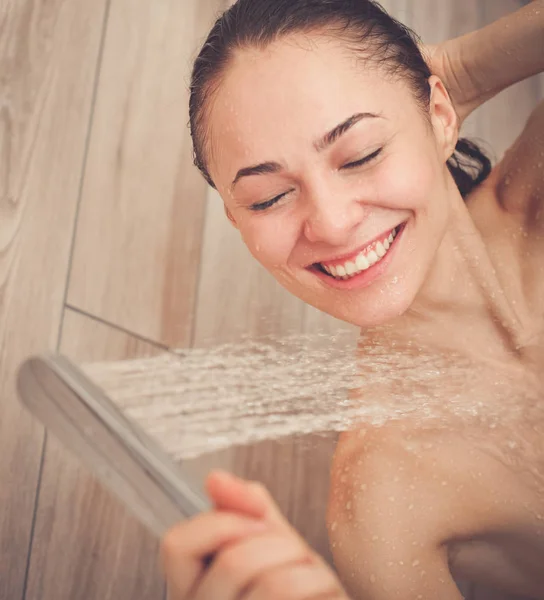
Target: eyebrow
column 327, row 140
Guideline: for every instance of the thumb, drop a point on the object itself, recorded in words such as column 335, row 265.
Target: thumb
column 232, row 493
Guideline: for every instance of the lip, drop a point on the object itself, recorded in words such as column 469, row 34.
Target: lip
column 340, row 260
column 364, row 278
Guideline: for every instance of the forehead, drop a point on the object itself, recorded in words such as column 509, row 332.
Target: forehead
column 291, row 93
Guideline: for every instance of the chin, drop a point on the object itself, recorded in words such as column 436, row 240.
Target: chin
column 374, row 307
column 375, row 315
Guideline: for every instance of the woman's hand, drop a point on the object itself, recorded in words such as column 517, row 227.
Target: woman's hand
column 477, row 66
column 255, row 554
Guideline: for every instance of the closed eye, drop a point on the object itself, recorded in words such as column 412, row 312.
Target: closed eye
column 268, row 203
column 362, row 161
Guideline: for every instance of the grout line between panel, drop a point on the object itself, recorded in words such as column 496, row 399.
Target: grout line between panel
column 119, row 328
column 84, row 165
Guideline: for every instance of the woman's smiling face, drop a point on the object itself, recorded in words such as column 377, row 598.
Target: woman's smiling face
column 332, row 174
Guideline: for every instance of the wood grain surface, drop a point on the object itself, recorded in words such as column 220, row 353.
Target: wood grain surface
column 48, row 60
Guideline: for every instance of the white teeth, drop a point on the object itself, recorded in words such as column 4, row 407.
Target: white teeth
column 351, row 269
column 363, row 260
column 362, row 263
column 372, row 257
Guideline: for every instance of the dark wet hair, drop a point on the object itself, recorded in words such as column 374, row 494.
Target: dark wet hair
column 363, row 25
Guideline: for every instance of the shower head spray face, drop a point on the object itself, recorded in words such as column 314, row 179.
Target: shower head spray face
column 120, row 453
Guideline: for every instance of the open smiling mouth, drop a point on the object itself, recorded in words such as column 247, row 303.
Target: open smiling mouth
column 365, row 259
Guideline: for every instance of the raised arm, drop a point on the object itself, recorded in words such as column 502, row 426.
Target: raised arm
column 480, row 64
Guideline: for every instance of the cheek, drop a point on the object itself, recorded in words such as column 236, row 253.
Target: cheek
column 410, row 183
column 270, row 238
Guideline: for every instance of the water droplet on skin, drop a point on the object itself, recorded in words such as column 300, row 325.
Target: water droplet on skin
column 415, row 563
column 334, row 526
column 373, row 578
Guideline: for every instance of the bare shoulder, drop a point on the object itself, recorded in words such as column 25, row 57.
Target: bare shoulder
column 407, row 466
column 520, row 174
column 397, row 497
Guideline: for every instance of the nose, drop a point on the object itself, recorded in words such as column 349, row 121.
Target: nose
column 332, row 218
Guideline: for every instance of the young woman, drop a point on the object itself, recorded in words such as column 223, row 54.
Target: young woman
column 335, row 149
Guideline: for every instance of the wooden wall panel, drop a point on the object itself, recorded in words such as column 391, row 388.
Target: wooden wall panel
column 138, row 239
column 48, row 58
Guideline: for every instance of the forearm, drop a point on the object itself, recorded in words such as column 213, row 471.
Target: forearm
column 489, row 60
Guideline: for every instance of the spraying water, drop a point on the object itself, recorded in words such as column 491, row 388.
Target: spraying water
column 198, row 401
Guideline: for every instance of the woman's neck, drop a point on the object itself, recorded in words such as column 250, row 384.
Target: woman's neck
column 462, row 296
